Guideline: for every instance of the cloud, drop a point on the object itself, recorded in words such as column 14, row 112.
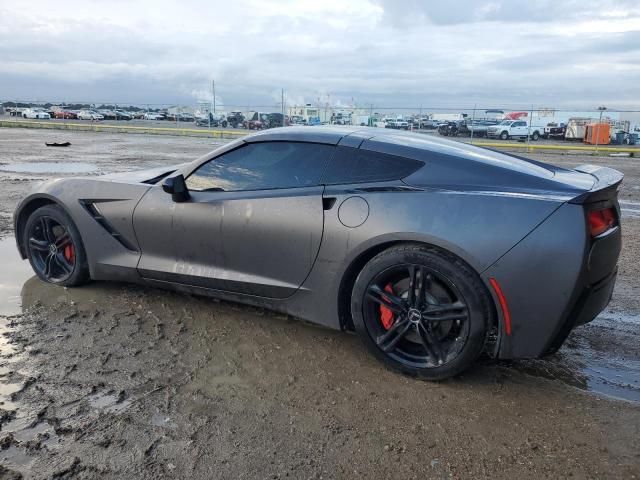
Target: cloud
column 387, row 52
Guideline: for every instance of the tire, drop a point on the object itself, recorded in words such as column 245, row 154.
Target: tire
column 224, row 124
column 504, row 136
column 68, row 260
column 434, row 348
column 536, row 136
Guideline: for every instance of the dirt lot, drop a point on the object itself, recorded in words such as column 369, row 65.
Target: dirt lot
column 119, row 381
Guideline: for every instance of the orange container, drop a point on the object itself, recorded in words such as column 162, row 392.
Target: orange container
column 598, row 134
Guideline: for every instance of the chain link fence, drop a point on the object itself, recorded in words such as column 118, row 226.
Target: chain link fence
column 477, row 124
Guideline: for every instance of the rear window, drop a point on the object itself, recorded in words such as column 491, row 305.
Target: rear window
column 352, row 165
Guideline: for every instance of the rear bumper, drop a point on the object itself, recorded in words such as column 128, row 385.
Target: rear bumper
column 593, row 299
column 554, row 280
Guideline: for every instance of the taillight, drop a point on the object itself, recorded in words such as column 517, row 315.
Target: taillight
column 601, row 220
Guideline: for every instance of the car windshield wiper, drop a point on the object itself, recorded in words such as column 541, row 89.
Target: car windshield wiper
column 213, row 189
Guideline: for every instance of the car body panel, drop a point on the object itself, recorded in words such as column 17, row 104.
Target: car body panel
column 227, row 240
column 106, row 255
column 388, row 224
column 295, row 250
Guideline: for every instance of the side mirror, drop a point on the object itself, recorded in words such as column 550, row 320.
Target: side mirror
column 177, row 187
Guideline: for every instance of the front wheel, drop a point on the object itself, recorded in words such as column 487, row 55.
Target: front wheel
column 504, row 136
column 54, row 247
column 421, row 311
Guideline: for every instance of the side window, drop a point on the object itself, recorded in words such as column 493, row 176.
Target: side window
column 262, row 166
column 352, row 165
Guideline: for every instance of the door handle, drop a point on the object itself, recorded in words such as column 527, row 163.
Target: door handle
column 328, row 202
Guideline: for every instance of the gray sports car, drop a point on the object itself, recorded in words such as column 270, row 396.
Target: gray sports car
column 432, row 251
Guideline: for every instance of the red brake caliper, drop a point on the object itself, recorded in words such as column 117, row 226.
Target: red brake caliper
column 69, row 253
column 386, row 315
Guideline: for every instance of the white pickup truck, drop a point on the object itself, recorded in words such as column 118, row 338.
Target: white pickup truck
column 515, row 129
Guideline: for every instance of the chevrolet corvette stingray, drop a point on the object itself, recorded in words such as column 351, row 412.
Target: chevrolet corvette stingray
column 433, row 251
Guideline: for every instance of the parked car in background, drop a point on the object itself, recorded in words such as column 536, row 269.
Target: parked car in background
column 153, row 116
column 211, row 120
column 479, row 127
column 298, row 120
column 65, row 114
column 277, row 120
column 256, row 121
column 449, row 128
column 514, row 129
column 427, row 123
column 186, row 117
column 235, row 119
column 397, row 124
column 15, row 111
column 35, row 113
column 555, row 130
column 89, row 115
column 107, row 114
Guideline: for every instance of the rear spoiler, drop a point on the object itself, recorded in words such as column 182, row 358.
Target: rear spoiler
column 607, row 184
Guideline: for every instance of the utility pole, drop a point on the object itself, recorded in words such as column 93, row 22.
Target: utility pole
column 597, row 129
column 473, row 119
column 282, row 93
column 529, row 130
column 213, row 92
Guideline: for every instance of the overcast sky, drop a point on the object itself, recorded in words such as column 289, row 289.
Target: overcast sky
column 395, row 53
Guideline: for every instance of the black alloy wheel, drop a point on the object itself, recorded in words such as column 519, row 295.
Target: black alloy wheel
column 54, row 247
column 421, row 311
column 416, row 316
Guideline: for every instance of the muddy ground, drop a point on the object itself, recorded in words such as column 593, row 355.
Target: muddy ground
column 120, row 381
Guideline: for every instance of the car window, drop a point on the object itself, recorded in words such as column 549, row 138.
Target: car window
column 353, row 165
column 262, row 166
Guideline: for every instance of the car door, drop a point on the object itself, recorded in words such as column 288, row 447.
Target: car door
column 254, row 220
column 520, row 129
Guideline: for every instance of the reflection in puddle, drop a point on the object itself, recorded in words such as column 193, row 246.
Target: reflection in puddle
column 160, row 420
column 22, row 432
column 13, row 274
column 49, row 167
column 109, row 401
column 599, row 357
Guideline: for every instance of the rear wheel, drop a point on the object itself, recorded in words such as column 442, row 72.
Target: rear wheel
column 54, row 247
column 535, row 136
column 421, row 311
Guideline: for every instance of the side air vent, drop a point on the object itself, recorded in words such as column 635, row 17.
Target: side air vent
column 104, row 223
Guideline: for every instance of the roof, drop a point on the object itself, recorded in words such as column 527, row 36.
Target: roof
column 424, row 147
column 321, row 134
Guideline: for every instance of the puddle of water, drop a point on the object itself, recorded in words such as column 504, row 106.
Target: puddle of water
column 160, row 420
column 603, row 360
column 609, row 317
column 109, row 402
column 13, row 274
column 615, row 379
column 17, row 456
column 49, row 167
